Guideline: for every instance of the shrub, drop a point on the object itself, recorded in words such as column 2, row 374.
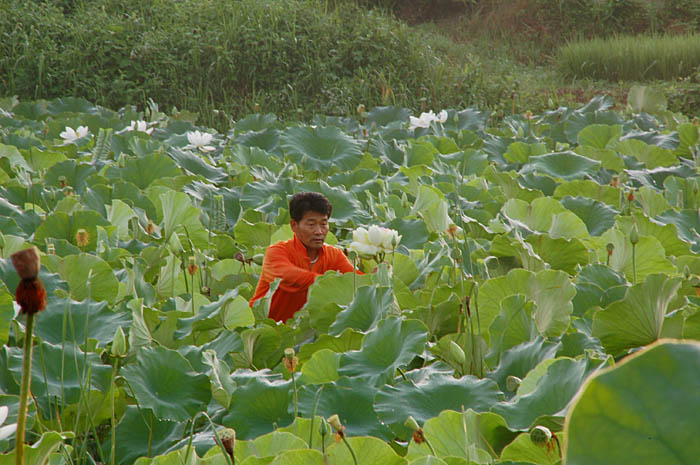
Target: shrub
column 289, row 57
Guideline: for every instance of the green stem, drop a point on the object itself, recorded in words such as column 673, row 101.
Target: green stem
column 313, row 416
column 296, row 403
column 634, row 263
column 113, row 452
column 352, row 452
column 150, row 435
column 430, row 446
column 193, row 313
column 24, row 390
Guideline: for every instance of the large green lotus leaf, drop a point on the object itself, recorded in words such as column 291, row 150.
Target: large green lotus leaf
column 304, row 427
column 321, row 148
column 598, row 286
column 346, row 206
column 75, row 174
column 272, row 444
column 230, row 311
column 142, row 171
column 52, row 281
column 466, row 435
column 383, row 116
column 605, row 194
column 646, row 99
column 39, row 452
column 414, row 232
column 197, row 164
column 391, row 344
column 639, row 318
column 420, row 152
column 60, row 225
column 666, row 234
column 352, row 399
column 163, row 380
column 180, row 216
column 649, row 403
column 523, row 450
column 370, row 305
column 300, row 457
column 552, row 395
column 689, row 136
column 139, row 432
column 346, row 341
column 119, row 215
column 367, row 450
column 321, row 368
column 428, row 460
column 88, row 276
column 428, row 392
column 562, row 165
column 561, row 254
column 504, row 246
column 519, row 360
column 508, row 182
column 7, row 313
column 650, row 255
column 600, row 136
column 653, row 203
column 546, row 215
column 608, row 158
column 688, row 225
column 514, row 325
column 62, row 372
column 551, row 291
column 81, row 319
column 597, row 216
column 651, row 155
column 432, row 207
column 520, row 152
column 261, row 402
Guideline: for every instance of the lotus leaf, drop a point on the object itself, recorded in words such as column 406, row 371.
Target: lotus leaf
column 320, row 148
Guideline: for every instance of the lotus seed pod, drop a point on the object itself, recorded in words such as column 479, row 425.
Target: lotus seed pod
column 418, row 436
column 239, row 256
column 289, row 353
column 512, row 383
column 323, row 428
column 411, row 423
column 150, row 228
column 82, row 238
column 27, row 263
column 192, row 267
column 456, row 353
column 228, row 439
column 630, row 197
column 119, row 348
column 610, row 247
column 540, row 435
column 334, row 421
column 634, row 235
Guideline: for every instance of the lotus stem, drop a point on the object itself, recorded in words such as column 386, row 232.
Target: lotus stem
column 430, row 446
column 634, row 263
column 313, row 416
column 113, row 452
column 352, row 452
column 24, row 390
column 296, row 401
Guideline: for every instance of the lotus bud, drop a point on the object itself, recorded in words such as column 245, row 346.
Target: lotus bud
column 610, row 247
column 82, row 237
column 323, row 428
column 239, row 256
column 258, row 259
column 192, row 267
column 540, row 435
column 228, row 439
column 119, row 348
column 634, row 235
column 630, row 197
column 456, row 353
column 334, row 421
column 204, row 290
column 513, row 383
column 411, row 423
column 290, row 360
column 30, row 293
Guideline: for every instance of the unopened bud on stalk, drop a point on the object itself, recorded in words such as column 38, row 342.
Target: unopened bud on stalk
column 634, row 235
column 513, row 383
column 540, row 435
column 228, row 439
column 334, row 421
column 119, row 344
column 610, row 247
column 323, row 428
column 30, row 293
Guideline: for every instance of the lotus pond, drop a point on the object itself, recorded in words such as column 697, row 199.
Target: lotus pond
column 541, row 307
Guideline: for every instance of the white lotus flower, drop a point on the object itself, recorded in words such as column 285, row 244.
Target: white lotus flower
column 200, row 140
column 71, row 135
column 425, row 119
column 140, row 126
column 369, row 242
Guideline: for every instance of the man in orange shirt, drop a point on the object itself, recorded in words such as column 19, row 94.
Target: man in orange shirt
column 299, row 260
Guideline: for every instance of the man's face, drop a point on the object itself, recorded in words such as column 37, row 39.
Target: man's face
column 311, row 230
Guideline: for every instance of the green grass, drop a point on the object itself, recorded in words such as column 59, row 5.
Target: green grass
column 637, row 58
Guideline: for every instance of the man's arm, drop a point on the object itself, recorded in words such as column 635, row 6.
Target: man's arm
column 278, row 264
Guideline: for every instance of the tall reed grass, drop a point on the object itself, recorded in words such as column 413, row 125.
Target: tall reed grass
column 634, row 58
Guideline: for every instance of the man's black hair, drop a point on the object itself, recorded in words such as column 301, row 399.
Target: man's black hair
column 302, row 202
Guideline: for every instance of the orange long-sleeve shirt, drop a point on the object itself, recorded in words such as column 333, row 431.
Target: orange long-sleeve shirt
column 289, row 261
